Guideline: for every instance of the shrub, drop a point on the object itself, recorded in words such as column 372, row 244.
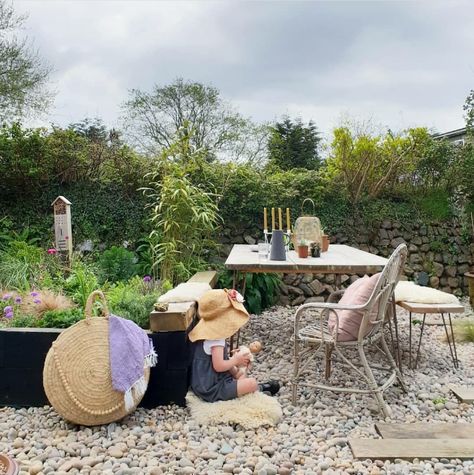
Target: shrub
column 81, row 282
column 261, row 289
column 60, row 318
column 117, row 263
column 37, row 303
column 132, row 300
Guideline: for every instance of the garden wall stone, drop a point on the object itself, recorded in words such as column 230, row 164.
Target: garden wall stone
column 439, row 249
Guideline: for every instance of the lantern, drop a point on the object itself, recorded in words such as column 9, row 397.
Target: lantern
column 62, row 225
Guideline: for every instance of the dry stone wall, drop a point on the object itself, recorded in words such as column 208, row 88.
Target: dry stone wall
column 438, row 249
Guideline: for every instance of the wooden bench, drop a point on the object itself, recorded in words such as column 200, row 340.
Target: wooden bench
column 180, row 314
column 433, row 308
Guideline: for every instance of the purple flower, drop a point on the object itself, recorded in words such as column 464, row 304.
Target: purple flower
column 147, row 278
column 8, row 309
column 34, row 294
column 18, row 300
column 37, row 301
column 7, row 297
column 9, row 315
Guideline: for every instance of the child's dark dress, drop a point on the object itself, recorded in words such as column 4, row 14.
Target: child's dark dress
column 206, row 382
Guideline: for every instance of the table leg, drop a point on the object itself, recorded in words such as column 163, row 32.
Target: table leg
column 409, row 341
column 453, row 343
column 456, row 361
column 419, row 341
column 241, row 282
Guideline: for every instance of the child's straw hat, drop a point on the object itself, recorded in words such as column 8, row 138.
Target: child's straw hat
column 221, row 315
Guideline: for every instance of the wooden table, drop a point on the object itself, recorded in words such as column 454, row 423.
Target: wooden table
column 339, row 259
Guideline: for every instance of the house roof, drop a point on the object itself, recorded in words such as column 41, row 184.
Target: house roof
column 452, row 134
column 62, row 199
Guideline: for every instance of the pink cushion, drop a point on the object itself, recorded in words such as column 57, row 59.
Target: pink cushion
column 358, row 293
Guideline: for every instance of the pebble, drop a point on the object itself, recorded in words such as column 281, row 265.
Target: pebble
column 311, row 438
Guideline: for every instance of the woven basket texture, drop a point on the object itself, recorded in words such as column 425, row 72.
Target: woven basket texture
column 76, row 375
column 307, row 228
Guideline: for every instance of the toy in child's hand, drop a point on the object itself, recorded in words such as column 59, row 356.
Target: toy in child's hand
column 254, row 348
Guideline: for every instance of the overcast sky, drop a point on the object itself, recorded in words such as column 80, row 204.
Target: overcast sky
column 400, row 64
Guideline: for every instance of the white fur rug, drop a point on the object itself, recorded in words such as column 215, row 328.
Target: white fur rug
column 407, row 291
column 250, row 411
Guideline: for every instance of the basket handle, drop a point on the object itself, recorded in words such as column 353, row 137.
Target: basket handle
column 312, row 202
column 96, row 295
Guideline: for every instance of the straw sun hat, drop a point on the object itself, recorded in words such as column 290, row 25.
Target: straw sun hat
column 221, row 313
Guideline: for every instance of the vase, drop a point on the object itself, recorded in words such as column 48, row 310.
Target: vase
column 325, row 243
column 303, row 252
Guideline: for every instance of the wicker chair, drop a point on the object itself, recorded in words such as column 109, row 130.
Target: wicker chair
column 316, row 338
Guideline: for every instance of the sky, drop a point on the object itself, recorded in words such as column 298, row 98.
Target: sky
column 398, row 64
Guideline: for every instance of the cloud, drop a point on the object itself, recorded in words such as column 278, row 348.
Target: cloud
column 403, row 63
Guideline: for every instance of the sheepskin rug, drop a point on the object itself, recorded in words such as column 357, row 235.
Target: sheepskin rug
column 249, row 411
column 406, row 291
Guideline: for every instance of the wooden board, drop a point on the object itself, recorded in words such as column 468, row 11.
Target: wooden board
column 431, row 307
column 410, row 449
column 208, row 277
column 177, row 318
column 463, row 393
column 423, row 430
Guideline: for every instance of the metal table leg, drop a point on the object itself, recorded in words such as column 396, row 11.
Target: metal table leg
column 419, row 341
column 451, row 341
column 409, row 340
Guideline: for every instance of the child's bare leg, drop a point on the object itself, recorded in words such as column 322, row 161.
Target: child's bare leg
column 246, row 386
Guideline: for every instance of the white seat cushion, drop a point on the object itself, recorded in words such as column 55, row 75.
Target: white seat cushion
column 186, row 292
column 407, row 291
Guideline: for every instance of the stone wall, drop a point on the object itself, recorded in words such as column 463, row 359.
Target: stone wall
column 439, row 249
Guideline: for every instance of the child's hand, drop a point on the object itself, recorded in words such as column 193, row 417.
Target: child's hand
column 241, row 359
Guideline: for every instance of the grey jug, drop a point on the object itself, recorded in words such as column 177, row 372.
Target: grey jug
column 277, row 246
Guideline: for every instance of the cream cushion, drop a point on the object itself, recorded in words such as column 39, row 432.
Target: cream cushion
column 407, row 291
column 186, row 292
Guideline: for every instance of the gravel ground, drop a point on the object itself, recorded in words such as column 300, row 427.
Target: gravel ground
column 312, row 437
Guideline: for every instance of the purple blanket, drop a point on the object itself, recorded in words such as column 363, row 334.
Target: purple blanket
column 130, row 351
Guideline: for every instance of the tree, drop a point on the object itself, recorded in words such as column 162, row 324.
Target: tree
column 468, row 108
column 294, row 145
column 365, row 164
column 23, row 74
column 154, row 118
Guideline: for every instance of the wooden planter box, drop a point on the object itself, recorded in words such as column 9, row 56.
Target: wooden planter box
column 23, row 351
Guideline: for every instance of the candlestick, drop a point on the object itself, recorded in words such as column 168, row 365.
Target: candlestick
column 273, row 218
column 265, row 224
column 288, row 224
column 280, row 220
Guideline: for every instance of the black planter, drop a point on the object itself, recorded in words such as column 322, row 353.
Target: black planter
column 23, row 351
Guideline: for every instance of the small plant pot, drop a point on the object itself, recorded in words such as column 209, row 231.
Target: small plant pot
column 303, row 251
column 470, row 282
column 325, row 243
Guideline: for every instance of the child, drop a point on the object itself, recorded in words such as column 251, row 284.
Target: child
column 214, row 376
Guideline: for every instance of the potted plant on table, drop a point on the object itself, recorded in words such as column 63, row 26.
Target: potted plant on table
column 324, row 241
column 315, row 249
column 303, row 248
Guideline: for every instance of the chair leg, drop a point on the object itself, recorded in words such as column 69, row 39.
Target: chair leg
column 296, row 365
column 373, row 383
column 328, row 353
column 393, row 364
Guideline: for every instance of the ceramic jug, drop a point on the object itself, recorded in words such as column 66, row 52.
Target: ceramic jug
column 277, row 246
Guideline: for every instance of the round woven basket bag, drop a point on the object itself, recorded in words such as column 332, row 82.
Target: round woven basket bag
column 76, row 375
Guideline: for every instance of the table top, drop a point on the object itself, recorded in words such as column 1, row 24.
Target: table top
column 339, row 259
